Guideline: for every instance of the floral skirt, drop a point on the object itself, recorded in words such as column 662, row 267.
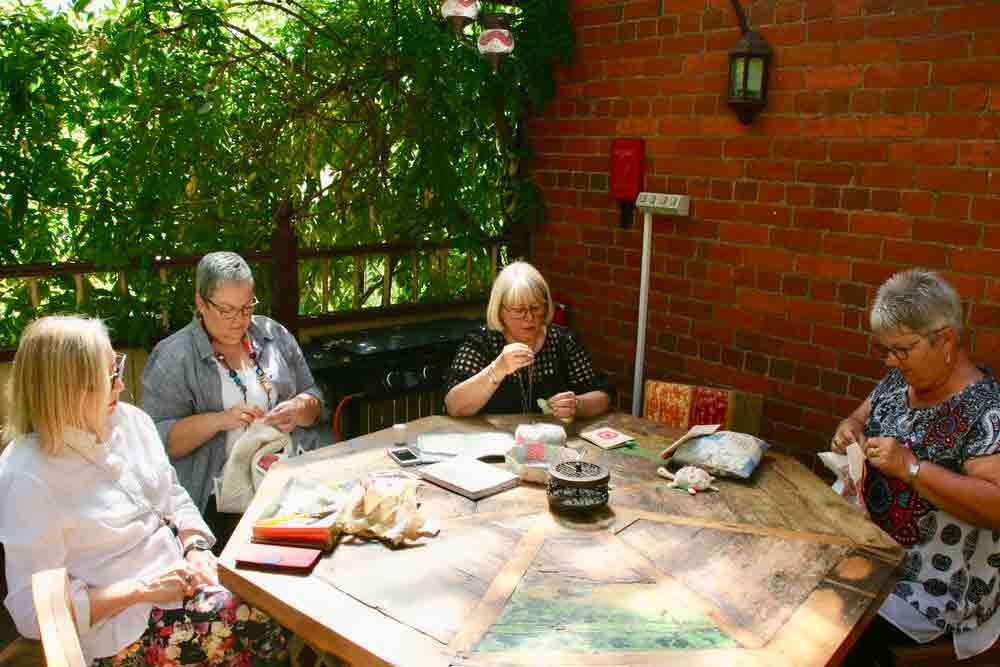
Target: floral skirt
column 214, row 627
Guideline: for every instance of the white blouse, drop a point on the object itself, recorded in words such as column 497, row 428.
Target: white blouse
column 96, row 510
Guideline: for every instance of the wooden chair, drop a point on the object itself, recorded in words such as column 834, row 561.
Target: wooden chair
column 56, row 621
column 683, row 406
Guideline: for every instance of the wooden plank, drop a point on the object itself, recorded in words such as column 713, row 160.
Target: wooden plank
column 325, row 273
column 359, row 281
column 756, row 581
column 821, row 500
column 500, row 589
column 454, row 569
column 818, row 628
column 386, row 280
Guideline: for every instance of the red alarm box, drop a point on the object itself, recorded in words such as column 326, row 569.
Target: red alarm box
column 626, row 174
column 626, row 168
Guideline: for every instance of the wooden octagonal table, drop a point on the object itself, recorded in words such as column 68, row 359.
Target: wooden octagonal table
column 777, row 570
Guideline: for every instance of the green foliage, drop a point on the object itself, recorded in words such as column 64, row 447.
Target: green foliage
column 175, row 128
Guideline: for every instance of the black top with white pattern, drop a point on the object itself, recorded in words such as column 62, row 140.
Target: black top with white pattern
column 562, row 364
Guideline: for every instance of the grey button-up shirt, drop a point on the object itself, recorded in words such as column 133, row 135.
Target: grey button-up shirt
column 182, row 379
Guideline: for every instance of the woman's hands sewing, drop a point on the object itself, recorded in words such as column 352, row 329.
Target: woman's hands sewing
column 171, row 585
column 284, row 416
column 239, row 416
column 204, row 567
column 564, row 405
column 848, row 431
column 889, row 456
column 514, row 357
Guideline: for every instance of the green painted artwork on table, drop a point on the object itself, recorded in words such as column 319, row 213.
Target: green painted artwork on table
column 601, row 617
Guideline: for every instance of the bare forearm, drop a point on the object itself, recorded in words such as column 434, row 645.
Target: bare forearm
column 192, row 432
column 593, row 403
column 468, row 397
column 974, row 500
column 110, row 600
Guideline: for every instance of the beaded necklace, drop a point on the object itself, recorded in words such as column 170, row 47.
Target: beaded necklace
column 265, row 382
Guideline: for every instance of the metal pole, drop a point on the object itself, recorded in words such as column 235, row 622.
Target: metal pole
column 640, row 342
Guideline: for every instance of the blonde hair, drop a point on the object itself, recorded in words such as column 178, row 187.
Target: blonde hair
column 517, row 281
column 60, row 377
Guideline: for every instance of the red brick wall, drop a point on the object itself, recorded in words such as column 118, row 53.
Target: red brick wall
column 878, row 150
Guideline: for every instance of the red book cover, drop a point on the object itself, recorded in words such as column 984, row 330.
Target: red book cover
column 277, row 557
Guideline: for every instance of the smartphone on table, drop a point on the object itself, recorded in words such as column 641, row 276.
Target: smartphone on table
column 404, row 456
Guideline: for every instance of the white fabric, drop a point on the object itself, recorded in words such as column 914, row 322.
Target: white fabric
column 68, row 511
column 234, row 489
column 916, row 626
column 231, row 395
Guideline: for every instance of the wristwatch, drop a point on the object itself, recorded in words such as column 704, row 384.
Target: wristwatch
column 912, row 471
column 196, row 544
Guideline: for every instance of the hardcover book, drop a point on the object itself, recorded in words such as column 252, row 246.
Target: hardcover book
column 469, row 477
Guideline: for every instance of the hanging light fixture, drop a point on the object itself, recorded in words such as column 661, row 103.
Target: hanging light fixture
column 495, row 41
column 749, row 66
column 460, row 13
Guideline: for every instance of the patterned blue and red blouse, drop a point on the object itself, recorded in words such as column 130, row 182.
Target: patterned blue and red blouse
column 950, row 572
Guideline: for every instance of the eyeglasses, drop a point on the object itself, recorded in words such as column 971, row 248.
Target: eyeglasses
column 523, row 312
column 230, row 313
column 120, row 358
column 902, row 352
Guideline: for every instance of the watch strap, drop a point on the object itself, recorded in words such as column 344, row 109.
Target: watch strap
column 196, row 544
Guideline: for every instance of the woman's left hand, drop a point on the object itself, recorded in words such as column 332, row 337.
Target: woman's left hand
column 890, row 457
column 204, row 567
column 284, row 416
column 564, row 405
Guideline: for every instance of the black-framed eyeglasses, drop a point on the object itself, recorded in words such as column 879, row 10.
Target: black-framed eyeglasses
column 230, row 313
column 902, row 352
column 119, row 368
column 523, row 312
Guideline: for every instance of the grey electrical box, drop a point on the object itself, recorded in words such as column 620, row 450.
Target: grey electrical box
column 663, row 204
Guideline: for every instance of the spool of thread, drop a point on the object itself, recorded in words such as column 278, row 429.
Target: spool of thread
column 399, row 435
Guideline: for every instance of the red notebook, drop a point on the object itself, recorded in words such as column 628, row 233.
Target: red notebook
column 277, row 557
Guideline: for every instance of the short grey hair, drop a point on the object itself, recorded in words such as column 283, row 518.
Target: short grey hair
column 919, row 300
column 517, row 281
column 220, row 268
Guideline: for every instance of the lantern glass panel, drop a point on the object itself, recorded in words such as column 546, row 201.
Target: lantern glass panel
column 737, row 76
column 755, row 78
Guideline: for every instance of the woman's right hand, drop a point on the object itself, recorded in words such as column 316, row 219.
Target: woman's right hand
column 514, row 357
column 848, row 431
column 239, row 416
column 171, row 585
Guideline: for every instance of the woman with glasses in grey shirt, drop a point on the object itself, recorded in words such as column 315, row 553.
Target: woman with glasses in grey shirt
column 206, row 383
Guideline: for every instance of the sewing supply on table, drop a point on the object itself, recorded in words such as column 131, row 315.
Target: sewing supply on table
column 688, row 478
column 578, row 487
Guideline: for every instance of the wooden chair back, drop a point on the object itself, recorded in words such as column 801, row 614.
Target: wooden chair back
column 683, row 406
column 60, row 640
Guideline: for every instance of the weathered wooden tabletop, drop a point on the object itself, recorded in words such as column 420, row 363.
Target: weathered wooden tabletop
column 778, row 570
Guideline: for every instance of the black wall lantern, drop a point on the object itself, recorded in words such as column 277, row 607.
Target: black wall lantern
column 749, row 66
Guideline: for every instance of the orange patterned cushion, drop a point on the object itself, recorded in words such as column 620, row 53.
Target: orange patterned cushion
column 683, row 406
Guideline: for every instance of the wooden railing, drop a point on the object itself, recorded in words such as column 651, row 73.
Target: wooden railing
column 285, row 259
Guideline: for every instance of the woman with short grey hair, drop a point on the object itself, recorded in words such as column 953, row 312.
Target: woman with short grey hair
column 207, row 382
column 930, row 433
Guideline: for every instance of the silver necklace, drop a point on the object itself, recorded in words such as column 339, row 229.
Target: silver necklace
column 526, row 397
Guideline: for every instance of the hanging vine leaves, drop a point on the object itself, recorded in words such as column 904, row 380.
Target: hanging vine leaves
column 173, row 127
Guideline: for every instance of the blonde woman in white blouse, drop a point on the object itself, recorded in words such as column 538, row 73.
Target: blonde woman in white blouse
column 86, row 485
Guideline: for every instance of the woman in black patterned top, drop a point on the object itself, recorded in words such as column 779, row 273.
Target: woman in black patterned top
column 523, row 357
column 930, row 432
